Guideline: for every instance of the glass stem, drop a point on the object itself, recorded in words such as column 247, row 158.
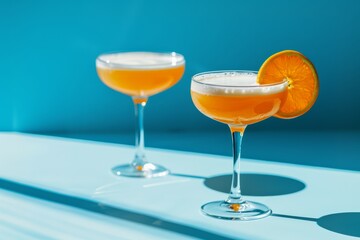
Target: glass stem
column 235, row 191
column 140, row 158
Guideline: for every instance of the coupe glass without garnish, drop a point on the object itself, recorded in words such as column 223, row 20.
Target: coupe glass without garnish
column 140, row 75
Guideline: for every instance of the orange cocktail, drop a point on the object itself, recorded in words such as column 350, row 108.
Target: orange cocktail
column 140, row 75
column 238, row 109
column 141, row 82
column 236, row 99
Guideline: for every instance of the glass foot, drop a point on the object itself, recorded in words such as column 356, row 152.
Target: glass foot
column 148, row 170
column 235, row 211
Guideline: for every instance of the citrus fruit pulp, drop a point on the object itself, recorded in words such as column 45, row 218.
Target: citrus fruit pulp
column 303, row 83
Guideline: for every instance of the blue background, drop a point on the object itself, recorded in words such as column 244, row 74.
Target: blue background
column 48, row 80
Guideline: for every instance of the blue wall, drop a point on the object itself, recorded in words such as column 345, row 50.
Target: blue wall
column 48, row 49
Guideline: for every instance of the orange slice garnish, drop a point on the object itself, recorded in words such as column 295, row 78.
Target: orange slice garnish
column 303, row 82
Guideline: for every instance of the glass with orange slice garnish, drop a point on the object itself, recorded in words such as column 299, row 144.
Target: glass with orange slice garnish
column 286, row 86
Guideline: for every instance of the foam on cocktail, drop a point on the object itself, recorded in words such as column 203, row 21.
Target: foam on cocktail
column 232, row 83
column 140, row 60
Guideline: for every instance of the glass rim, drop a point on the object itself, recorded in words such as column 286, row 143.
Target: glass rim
column 144, row 66
column 232, row 86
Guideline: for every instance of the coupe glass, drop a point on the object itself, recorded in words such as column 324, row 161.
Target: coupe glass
column 234, row 98
column 140, row 75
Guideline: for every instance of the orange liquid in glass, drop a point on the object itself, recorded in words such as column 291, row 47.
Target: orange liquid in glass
column 141, row 82
column 238, row 109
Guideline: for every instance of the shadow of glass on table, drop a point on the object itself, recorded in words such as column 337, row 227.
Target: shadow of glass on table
column 253, row 184
column 108, row 210
column 347, row 223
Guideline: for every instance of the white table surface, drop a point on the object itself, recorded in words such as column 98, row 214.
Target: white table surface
column 59, row 188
